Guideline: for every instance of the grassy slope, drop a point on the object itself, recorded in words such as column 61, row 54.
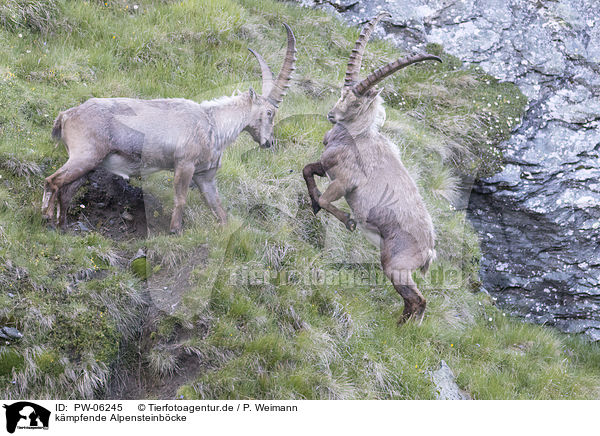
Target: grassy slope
column 285, row 336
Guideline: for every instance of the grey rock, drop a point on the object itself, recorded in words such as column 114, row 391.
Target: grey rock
column 445, row 384
column 541, row 215
column 127, row 216
column 140, row 253
column 594, row 334
column 574, row 106
column 10, row 333
column 593, row 47
column 81, row 226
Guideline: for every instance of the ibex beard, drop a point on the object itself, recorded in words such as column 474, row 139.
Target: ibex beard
column 132, row 137
column 365, row 167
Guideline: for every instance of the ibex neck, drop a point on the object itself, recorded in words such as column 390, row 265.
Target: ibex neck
column 231, row 115
column 361, row 130
column 368, row 122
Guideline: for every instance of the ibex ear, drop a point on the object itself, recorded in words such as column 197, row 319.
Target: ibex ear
column 252, row 94
column 372, row 94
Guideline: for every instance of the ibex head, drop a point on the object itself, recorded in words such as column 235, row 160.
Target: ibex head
column 265, row 106
column 360, row 101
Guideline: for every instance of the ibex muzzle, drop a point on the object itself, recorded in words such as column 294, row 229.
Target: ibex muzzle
column 132, row 137
column 365, row 168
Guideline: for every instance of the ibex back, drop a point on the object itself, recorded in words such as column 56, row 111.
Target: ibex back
column 131, row 137
column 365, row 168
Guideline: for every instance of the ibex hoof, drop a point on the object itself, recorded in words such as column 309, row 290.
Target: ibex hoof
column 416, row 315
column 406, row 317
column 351, row 224
column 315, row 207
column 48, row 222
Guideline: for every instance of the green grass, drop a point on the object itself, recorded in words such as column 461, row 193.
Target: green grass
column 275, row 304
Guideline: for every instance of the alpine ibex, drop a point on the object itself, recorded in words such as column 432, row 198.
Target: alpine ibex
column 365, row 168
column 138, row 137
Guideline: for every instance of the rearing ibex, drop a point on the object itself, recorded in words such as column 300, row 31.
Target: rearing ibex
column 137, row 137
column 365, row 168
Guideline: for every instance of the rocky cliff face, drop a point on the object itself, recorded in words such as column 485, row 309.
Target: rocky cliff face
column 539, row 219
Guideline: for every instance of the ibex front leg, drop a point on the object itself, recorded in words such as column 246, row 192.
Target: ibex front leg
column 182, row 179
column 309, row 172
column 207, row 184
column 335, row 191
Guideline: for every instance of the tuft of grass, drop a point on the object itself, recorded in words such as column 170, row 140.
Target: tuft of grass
column 140, row 267
column 50, row 364
column 20, row 168
column 162, row 361
column 279, row 303
column 35, row 15
column 10, row 361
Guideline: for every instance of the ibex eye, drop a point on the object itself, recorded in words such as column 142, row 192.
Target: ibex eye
column 269, row 113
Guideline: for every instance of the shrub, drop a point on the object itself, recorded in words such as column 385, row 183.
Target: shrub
column 38, row 15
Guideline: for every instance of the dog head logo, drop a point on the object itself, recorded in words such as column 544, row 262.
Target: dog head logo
column 26, row 415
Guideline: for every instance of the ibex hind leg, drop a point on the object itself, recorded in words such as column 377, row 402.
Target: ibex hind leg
column 72, row 170
column 65, row 195
column 414, row 302
column 399, row 258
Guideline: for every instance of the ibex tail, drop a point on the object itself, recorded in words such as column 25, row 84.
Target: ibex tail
column 57, row 128
column 430, row 258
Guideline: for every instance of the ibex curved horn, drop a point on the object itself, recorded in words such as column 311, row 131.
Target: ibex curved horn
column 267, row 75
column 355, row 60
column 282, row 83
column 381, row 73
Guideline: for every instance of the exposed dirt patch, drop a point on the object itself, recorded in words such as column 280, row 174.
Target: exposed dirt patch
column 108, row 204
column 138, row 381
column 167, row 286
column 114, row 208
column 190, row 368
column 134, row 378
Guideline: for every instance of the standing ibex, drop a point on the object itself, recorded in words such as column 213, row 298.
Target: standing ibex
column 137, row 137
column 365, row 168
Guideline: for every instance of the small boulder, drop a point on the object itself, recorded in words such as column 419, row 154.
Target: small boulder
column 10, row 333
column 445, row 384
column 127, row 216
